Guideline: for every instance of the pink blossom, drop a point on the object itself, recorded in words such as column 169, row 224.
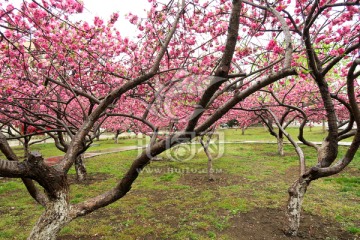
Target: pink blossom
column 190, row 41
column 341, row 51
column 277, row 49
column 40, row 65
column 220, row 48
column 320, row 38
column 114, row 18
column 180, row 74
column 9, row 7
column 333, row 52
column 79, row 8
column 271, row 45
column 32, row 5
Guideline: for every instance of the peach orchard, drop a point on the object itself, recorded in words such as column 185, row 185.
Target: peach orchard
column 193, row 64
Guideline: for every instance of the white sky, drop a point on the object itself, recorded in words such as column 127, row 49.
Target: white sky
column 104, row 9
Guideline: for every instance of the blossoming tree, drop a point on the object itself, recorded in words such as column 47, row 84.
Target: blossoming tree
column 78, row 75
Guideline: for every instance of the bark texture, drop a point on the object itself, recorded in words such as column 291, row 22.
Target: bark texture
column 80, row 168
column 57, row 208
column 55, row 217
column 296, row 196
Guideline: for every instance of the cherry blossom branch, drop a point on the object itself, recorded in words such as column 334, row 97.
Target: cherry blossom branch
column 303, row 123
column 318, row 172
column 242, row 95
column 146, row 122
column 351, row 116
column 334, row 61
column 77, row 91
column 75, row 145
column 223, row 68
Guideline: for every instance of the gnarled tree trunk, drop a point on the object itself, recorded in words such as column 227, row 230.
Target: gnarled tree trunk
column 57, row 208
column 55, row 217
column 296, row 196
column 80, row 168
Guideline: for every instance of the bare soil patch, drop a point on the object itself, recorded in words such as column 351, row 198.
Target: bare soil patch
column 257, row 224
column 268, row 224
column 261, row 223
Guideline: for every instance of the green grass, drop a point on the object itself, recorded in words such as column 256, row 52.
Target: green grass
column 251, row 134
column 168, row 201
column 316, row 134
column 48, row 149
column 347, row 184
column 354, row 230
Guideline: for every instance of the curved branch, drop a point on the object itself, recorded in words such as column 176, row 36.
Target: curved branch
column 13, row 169
column 332, row 63
column 76, row 144
column 77, row 91
column 242, row 95
column 29, row 184
column 318, row 172
column 298, row 149
column 351, row 120
column 302, row 125
column 221, row 73
column 133, row 117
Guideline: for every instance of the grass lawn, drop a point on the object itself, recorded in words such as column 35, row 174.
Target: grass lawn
column 314, row 134
column 174, row 200
column 48, row 149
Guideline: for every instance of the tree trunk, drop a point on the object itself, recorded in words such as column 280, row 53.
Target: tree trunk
column 243, row 131
column 205, row 146
column 97, row 135
column 270, row 122
column 55, row 217
column 80, row 168
column 116, row 138
column 323, row 126
column 58, row 211
column 209, row 164
column 26, row 147
column 296, row 195
column 210, row 169
column 280, row 142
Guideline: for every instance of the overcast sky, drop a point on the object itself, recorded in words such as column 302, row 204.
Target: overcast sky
column 104, row 8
